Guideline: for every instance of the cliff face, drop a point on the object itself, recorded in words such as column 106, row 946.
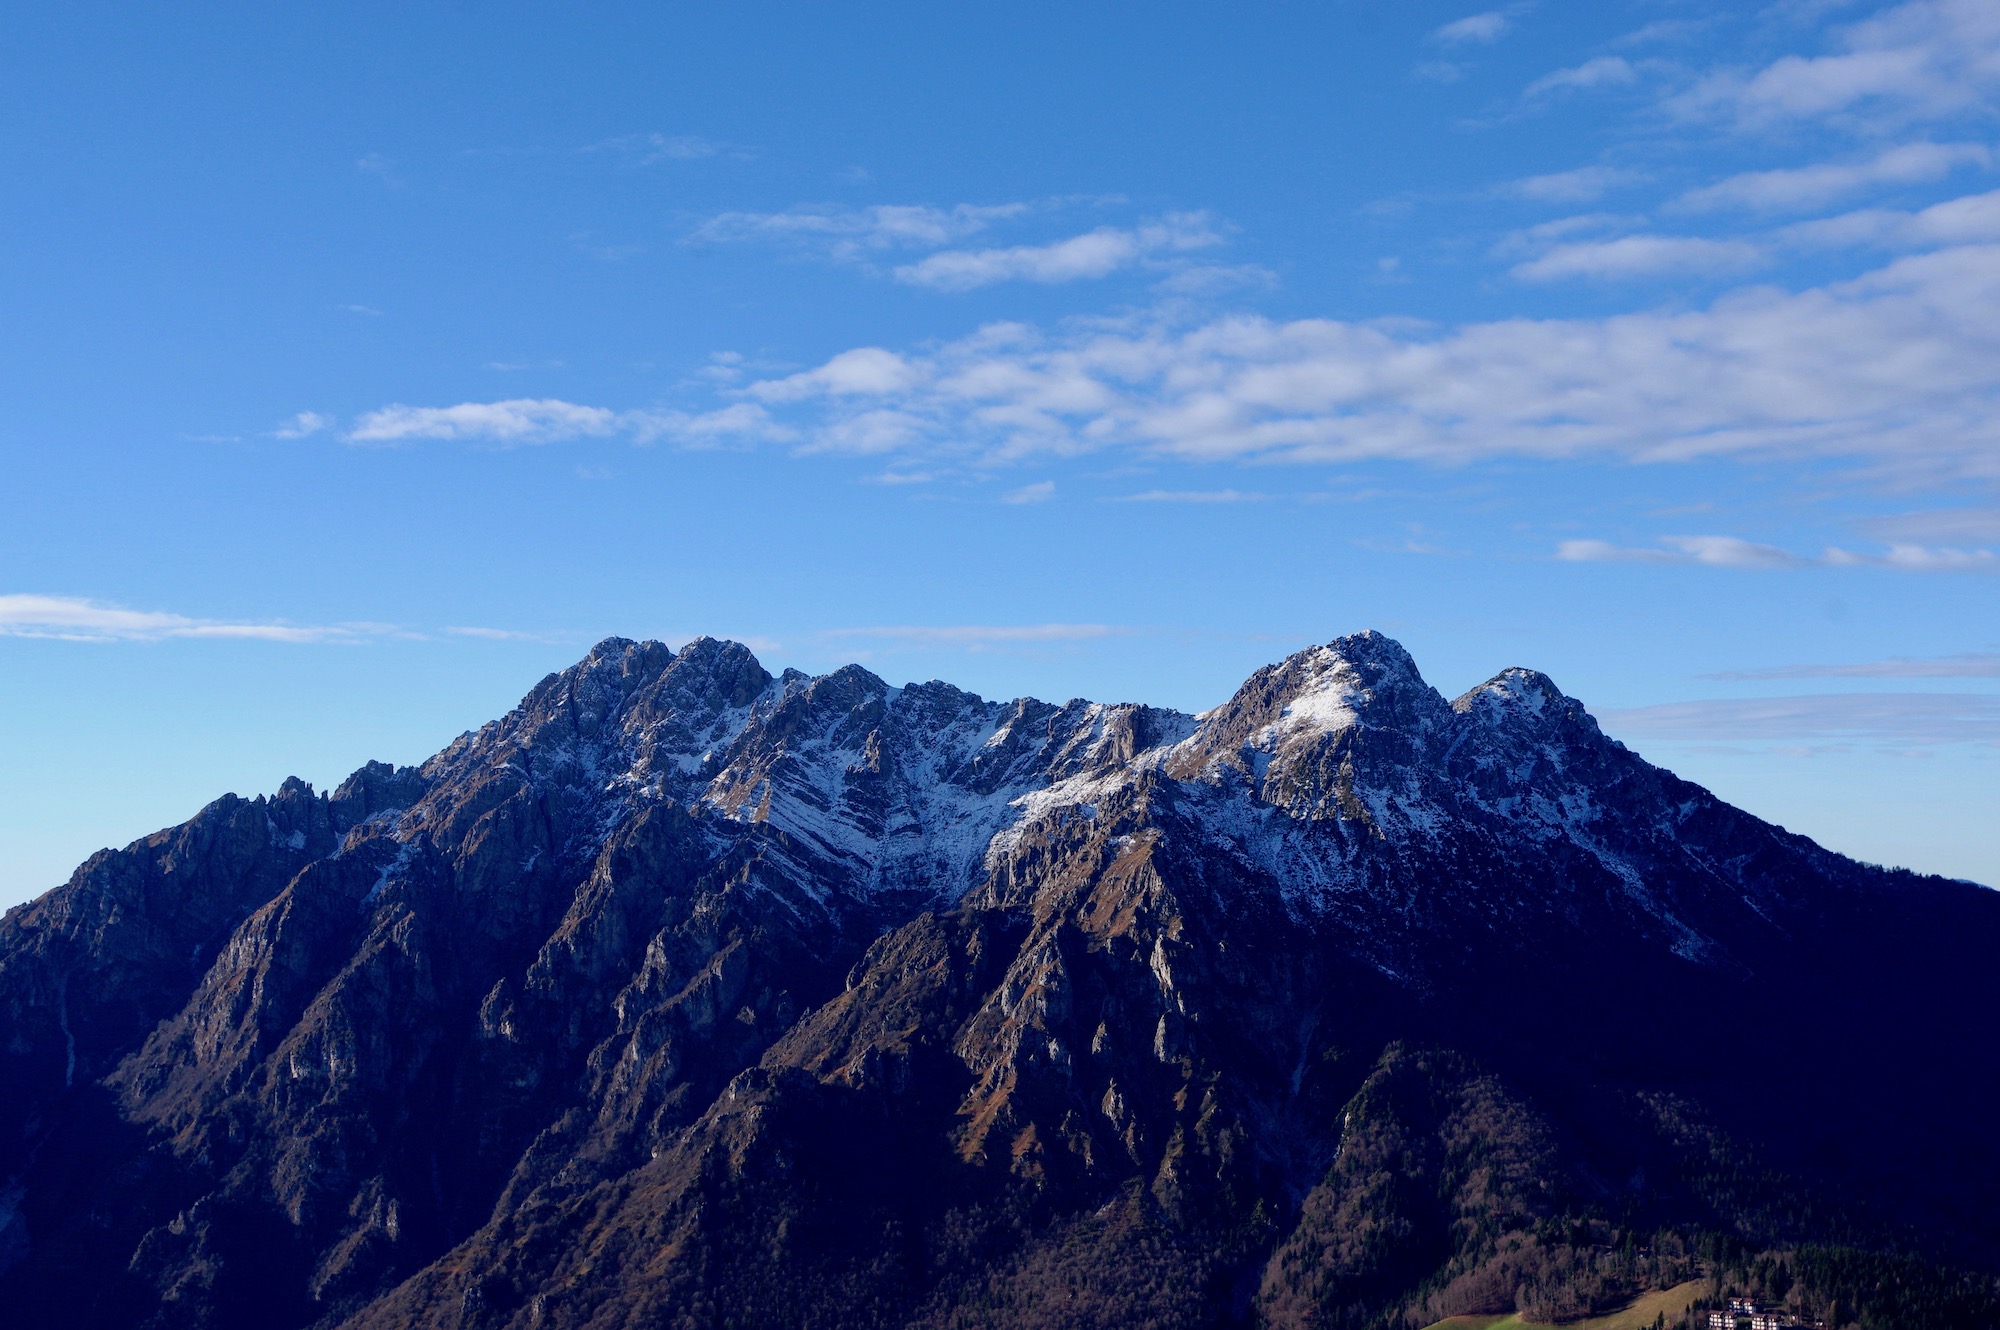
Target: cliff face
column 686, row 995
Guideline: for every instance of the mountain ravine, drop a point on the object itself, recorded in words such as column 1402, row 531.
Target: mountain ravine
column 689, row 996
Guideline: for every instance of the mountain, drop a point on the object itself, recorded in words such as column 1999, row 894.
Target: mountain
column 686, row 995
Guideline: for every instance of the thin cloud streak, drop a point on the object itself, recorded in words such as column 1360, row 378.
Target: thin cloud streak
column 524, row 422
column 1912, row 719
column 651, row 149
column 1953, row 525
column 1640, row 256
column 1191, row 496
column 1823, row 183
column 852, row 233
column 1482, row 29
column 1604, row 71
column 74, row 619
column 1097, row 254
column 1734, row 552
column 1969, row 220
column 519, row 420
column 506, row 634
column 1585, row 184
column 1965, row 665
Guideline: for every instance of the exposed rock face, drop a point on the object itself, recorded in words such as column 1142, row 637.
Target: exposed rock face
column 686, row 995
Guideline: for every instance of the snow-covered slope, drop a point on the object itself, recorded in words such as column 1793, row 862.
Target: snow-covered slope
column 1338, row 772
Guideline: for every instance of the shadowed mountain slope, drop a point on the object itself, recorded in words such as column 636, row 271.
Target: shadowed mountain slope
column 686, row 995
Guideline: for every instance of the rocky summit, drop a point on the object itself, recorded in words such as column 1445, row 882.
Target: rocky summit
column 689, row 996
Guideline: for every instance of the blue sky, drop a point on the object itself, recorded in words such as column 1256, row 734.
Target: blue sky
column 362, row 365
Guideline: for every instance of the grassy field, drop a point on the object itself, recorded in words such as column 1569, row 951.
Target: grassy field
column 1639, row 1316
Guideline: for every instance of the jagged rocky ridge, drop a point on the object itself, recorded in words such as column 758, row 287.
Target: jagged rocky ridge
column 687, row 995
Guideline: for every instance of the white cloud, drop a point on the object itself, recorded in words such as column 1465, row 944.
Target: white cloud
column 519, row 420
column 1965, row 665
column 1953, row 525
column 524, row 421
column 1215, row 279
column 1584, row 185
column 650, row 149
column 1972, row 219
column 1539, row 237
column 1039, row 492
column 1716, row 551
column 1484, row 29
column 1733, row 552
column 852, row 232
column 504, row 635
column 867, row 370
column 78, row 620
column 1921, row 719
column 1662, row 30
column 302, row 425
column 1191, row 496
column 1918, row 559
column 1095, row 254
column 739, row 422
column 1899, row 368
column 1640, row 256
column 1814, row 186
column 1602, row 72
column 866, row 236
column 1920, row 60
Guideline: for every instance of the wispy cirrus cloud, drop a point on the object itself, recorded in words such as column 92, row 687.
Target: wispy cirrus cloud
column 1916, row 61
column 1040, row 491
column 1965, row 665
column 72, row 618
column 1822, row 183
column 518, row 420
column 1586, row 184
column 1734, row 552
column 506, row 634
column 1606, row 71
column 1191, row 496
column 1715, row 551
column 1477, row 29
column 1097, row 253
column 523, row 421
column 852, row 233
column 1922, row 720
column 1662, row 31
column 1637, row 256
column 874, row 238
column 652, row 148
column 303, row 425
column 1929, row 525
column 1972, row 219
